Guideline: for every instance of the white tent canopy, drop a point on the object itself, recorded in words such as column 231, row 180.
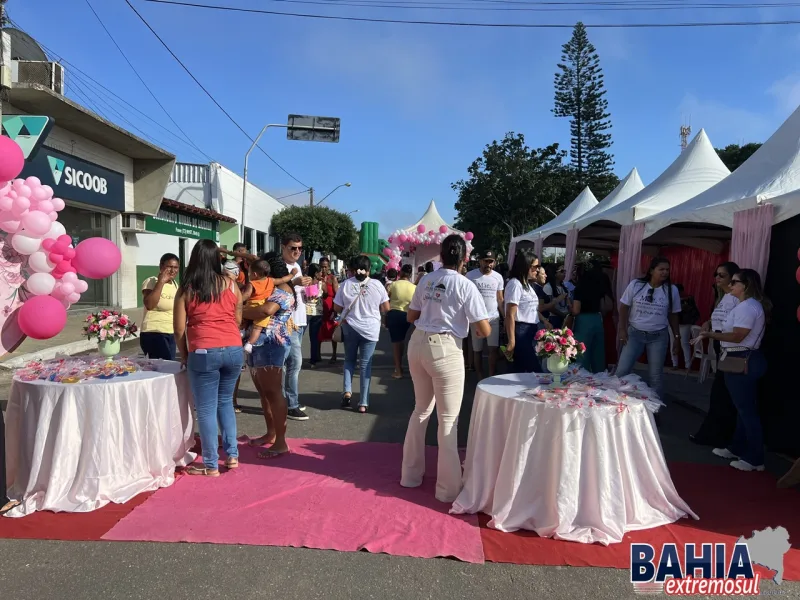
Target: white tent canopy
column 584, row 202
column 771, row 174
column 632, row 184
column 695, row 170
column 432, row 220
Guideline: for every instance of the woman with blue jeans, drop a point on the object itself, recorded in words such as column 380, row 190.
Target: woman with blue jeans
column 360, row 302
column 522, row 312
column 208, row 311
column 648, row 310
column 269, row 356
column 741, row 338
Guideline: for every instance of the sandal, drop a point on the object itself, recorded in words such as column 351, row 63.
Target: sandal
column 346, row 400
column 397, row 375
column 202, row 471
column 9, row 506
column 362, row 409
column 237, row 408
column 269, row 453
column 232, row 463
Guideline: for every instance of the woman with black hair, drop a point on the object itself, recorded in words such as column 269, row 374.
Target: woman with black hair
column 400, row 294
column 588, row 318
column 268, row 358
column 743, row 364
column 558, row 293
column 720, row 422
column 522, row 312
column 443, row 306
column 157, row 338
column 360, row 301
column 207, row 316
column 648, row 310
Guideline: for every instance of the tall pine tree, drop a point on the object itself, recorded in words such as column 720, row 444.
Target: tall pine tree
column 580, row 95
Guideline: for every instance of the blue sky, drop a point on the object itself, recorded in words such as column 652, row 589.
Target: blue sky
column 418, row 103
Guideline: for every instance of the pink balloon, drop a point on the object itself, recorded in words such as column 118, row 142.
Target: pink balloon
column 65, row 239
column 65, row 303
column 69, row 254
column 24, row 191
column 39, row 193
column 12, row 159
column 56, row 258
column 45, row 206
column 9, row 224
column 6, row 202
column 36, row 222
column 96, row 258
column 58, row 203
column 67, row 288
column 42, row 317
column 443, row 229
column 48, row 244
column 468, row 236
column 53, row 216
column 63, row 266
column 20, row 206
column 81, row 286
column 421, row 228
column 33, row 182
column 403, row 238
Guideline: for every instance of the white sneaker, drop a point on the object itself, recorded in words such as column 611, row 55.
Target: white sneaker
column 743, row 465
column 724, row 453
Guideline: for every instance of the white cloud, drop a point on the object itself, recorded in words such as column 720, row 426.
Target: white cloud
column 787, row 93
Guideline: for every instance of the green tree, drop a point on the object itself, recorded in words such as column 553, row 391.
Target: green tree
column 323, row 229
column 510, row 189
column 580, row 96
column 733, row 155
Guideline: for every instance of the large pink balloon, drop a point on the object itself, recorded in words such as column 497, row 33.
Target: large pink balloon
column 469, row 235
column 443, row 229
column 37, row 223
column 12, row 160
column 97, row 258
column 421, row 228
column 42, row 317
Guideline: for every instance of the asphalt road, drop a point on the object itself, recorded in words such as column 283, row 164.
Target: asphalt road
column 111, row 571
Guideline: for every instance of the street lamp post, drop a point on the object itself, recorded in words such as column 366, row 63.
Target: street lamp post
column 298, row 127
column 352, row 212
column 348, row 184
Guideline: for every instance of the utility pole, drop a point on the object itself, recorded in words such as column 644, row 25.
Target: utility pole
column 311, row 196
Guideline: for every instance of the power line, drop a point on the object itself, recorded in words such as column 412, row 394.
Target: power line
column 506, row 5
column 214, row 100
column 482, row 25
column 295, row 194
column 147, row 87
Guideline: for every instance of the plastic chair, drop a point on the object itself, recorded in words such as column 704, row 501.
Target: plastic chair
column 708, row 360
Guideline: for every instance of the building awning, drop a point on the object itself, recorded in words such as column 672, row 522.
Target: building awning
column 196, row 210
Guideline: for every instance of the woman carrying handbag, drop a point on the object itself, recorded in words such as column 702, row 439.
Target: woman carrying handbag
column 743, row 364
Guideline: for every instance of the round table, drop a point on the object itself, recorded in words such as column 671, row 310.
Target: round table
column 570, row 470
column 77, row 447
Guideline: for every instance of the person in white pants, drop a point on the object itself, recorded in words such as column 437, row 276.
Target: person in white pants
column 442, row 308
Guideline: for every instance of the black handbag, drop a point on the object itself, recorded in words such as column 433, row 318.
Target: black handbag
column 737, row 364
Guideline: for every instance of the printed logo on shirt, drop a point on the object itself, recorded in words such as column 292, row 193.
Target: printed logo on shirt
column 650, row 302
column 435, row 291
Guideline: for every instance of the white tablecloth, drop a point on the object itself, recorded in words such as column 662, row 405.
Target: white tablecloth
column 580, row 474
column 77, row 447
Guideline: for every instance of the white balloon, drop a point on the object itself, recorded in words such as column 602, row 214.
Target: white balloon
column 56, row 230
column 38, row 262
column 25, row 244
column 40, row 284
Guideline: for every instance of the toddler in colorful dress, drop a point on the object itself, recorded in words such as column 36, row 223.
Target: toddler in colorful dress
column 256, row 293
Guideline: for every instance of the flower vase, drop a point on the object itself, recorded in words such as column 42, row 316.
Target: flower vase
column 109, row 348
column 557, row 365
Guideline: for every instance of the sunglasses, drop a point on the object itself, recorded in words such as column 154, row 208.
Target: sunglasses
column 721, row 275
column 649, row 296
column 734, row 281
column 296, row 248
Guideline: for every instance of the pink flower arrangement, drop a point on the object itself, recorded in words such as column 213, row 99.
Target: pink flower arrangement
column 558, row 342
column 109, row 325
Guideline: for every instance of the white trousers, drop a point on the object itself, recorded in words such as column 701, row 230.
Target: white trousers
column 436, row 363
column 686, row 337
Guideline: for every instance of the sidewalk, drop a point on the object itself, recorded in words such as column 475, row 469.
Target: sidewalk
column 70, row 341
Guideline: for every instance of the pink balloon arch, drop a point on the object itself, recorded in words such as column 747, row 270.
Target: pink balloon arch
column 408, row 240
column 39, row 267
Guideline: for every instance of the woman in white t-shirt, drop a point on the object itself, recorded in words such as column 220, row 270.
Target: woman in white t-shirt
column 360, row 300
column 648, row 310
column 522, row 312
column 720, row 422
column 741, row 337
column 444, row 305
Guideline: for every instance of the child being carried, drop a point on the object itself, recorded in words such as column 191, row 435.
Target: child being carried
column 256, row 293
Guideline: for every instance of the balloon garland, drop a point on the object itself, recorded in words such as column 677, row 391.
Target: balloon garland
column 402, row 241
column 29, row 217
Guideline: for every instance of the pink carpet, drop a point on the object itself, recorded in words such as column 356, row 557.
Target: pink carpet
column 334, row 495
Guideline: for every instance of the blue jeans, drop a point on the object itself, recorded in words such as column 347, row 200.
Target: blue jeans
column 748, row 439
column 354, row 344
column 656, row 344
column 314, row 325
column 291, row 371
column 525, row 359
column 213, row 377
